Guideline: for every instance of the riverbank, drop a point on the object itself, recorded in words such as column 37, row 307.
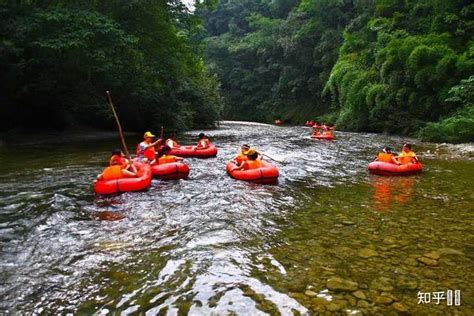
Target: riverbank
column 50, row 136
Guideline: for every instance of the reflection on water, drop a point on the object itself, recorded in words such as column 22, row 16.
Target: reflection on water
column 215, row 245
column 388, row 190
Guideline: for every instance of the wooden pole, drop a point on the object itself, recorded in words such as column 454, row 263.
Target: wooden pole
column 124, row 145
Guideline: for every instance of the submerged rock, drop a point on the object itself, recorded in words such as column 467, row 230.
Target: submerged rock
column 399, row 307
column 310, row 293
column 339, row 284
column 359, row 294
column 383, row 300
column 428, row 261
column 367, row 253
column 450, row 251
column 382, row 284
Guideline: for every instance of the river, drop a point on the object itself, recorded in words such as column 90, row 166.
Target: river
column 328, row 238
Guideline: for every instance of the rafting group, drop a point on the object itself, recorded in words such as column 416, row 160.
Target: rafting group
column 166, row 163
column 387, row 163
column 322, row 131
column 164, row 160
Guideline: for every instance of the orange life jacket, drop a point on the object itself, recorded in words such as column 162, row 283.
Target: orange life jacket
column 241, row 158
column 252, row 164
column 384, row 157
column 112, row 172
column 117, row 160
column 406, row 157
column 148, row 153
column 166, row 159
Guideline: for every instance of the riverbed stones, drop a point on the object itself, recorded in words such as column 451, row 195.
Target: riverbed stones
column 310, row 293
column 383, row 300
column 435, row 255
column 411, row 262
column 404, row 282
column 400, row 308
column 359, row 294
column 363, row 304
column 336, row 305
column 340, row 284
column 449, row 251
column 428, row 261
column 367, row 253
column 383, row 284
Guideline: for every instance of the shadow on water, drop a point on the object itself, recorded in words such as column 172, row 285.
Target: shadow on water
column 215, row 245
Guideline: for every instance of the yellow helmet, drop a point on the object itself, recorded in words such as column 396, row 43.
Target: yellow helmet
column 148, row 134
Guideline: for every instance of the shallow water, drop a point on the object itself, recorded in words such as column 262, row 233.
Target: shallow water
column 211, row 244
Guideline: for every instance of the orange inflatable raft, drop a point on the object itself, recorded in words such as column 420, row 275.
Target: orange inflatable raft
column 139, row 183
column 267, row 174
column 323, row 136
column 391, row 169
column 189, row 151
column 170, row 171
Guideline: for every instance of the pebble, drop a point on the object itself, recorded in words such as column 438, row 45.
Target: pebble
column 382, row 284
column 428, row 261
column 411, row 262
column 363, row 304
column 385, row 300
column 432, row 255
column 450, row 251
column 367, row 253
column 348, row 223
column 339, row 284
column 310, row 293
column 359, row 294
column 399, row 307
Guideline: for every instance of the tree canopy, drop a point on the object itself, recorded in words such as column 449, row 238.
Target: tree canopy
column 380, row 66
column 57, row 59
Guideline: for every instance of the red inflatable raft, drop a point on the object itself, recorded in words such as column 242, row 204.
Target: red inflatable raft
column 323, row 136
column 189, row 151
column 267, row 174
column 170, row 171
column 391, row 169
column 278, row 122
column 139, row 183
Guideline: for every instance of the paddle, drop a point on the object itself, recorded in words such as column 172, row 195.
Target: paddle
column 271, row 158
column 124, row 145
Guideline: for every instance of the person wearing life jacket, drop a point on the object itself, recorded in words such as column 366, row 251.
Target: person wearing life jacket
column 203, row 142
column 171, row 142
column 241, row 156
column 118, row 168
column 407, row 155
column 253, row 161
column 146, row 149
column 118, row 158
column 165, row 158
column 387, row 156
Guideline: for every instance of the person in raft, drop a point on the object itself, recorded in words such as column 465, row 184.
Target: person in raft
column 171, row 142
column 387, row 156
column 253, row 160
column 203, row 142
column 165, row 158
column 407, row 155
column 242, row 155
column 119, row 167
column 146, row 149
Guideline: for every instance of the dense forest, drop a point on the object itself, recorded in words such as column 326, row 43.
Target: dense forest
column 395, row 66
column 58, row 57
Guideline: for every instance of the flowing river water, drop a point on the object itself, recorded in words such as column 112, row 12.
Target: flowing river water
column 329, row 238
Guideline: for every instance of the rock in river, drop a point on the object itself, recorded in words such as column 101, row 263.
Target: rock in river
column 339, row 284
column 367, row 253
